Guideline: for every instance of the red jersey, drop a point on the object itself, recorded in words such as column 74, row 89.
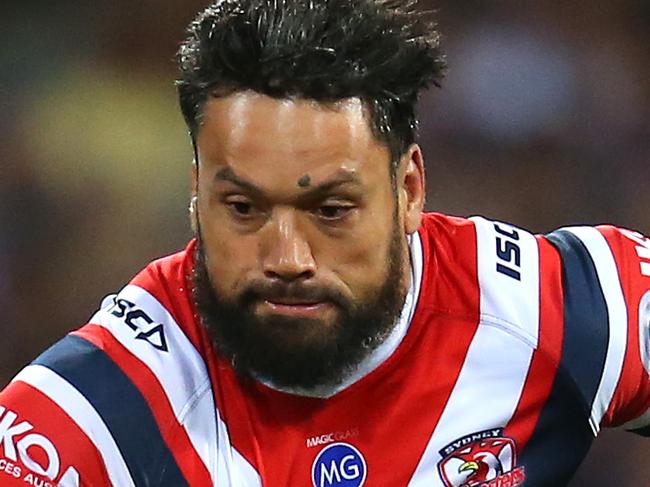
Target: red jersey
column 518, row 350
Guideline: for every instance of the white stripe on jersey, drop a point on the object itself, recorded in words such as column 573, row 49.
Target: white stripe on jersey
column 490, row 383
column 234, row 470
column 84, row 415
column 607, row 271
column 644, row 343
column 504, row 299
column 181, row 372
column 644, row 330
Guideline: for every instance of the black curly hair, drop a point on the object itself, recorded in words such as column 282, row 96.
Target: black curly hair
column 385, row 52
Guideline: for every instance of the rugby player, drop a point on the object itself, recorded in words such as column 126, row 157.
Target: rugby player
column 321, row 329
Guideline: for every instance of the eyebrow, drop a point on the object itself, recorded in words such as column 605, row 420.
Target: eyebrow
column 342, row 177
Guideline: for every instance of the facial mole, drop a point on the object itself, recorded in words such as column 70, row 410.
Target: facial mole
column 304, row 181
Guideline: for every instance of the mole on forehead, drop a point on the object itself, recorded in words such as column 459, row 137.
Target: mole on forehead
column 304, row 181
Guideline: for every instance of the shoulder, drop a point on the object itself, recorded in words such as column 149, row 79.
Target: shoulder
column 128, row 396
column 493, row 267
column 579, row 297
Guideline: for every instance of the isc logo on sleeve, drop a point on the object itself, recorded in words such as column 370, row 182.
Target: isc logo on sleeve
column 339, row 465
column 138, row 320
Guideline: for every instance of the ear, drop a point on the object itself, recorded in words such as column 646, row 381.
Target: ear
column 194, row 198
column 411, row 188
column 195, row 178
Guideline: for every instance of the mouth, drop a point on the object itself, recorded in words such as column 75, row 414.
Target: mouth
column 295, row 307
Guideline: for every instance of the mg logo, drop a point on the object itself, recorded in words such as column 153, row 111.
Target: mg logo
column 339, row 465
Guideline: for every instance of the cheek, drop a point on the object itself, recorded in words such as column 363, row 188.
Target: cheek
column 230, row 258
column 361, row 261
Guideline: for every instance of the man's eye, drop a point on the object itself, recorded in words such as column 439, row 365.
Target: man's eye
column 333, row 212
column 240, row 208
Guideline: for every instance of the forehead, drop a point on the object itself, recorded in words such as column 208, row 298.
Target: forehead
column 257, row 134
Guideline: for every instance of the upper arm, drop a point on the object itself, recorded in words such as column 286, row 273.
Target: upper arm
column 606, row 289
column 115, row 403
column 630, row 405
column 41, row 441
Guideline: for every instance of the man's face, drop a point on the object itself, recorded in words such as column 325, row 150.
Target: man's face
column 302, row 259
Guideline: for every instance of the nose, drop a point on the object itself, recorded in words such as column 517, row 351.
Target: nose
column 287, row 254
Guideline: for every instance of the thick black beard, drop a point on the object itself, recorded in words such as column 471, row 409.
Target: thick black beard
column 298, row 352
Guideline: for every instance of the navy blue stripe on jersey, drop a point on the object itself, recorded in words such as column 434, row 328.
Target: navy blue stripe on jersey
column 561, row 438
column 563, row 424
column 586, row 319
column 120, row 405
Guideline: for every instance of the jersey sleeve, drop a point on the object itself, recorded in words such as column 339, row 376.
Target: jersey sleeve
column 125, row 400
column 606, row 292
column 630, row 405
column 88, row 413
column 48, row 433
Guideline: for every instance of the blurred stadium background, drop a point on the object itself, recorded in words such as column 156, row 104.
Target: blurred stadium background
column 544, row 120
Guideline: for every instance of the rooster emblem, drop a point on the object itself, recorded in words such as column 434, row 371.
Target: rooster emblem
column 478, row 462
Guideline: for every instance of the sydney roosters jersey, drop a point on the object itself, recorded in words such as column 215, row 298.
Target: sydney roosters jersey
column 519, row 348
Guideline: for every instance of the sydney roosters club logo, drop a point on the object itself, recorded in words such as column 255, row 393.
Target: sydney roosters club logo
column 485, row 459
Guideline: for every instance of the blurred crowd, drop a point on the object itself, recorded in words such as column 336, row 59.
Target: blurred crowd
column 543, row 120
